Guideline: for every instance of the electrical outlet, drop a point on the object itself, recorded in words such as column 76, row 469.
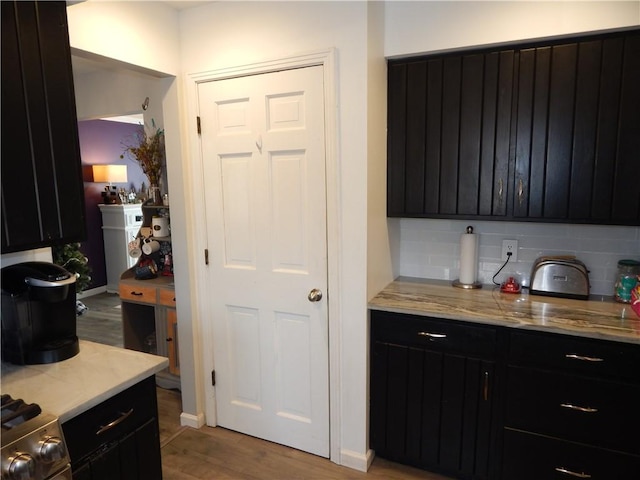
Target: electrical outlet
column 509, row 246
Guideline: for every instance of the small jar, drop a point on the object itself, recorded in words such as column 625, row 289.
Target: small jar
column 626, row 279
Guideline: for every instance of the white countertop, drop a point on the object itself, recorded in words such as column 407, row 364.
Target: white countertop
column 600, row 317
column 70, row 387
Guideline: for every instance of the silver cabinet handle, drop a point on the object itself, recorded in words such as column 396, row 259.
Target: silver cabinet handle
column 110, row 425
column 580, row 409
column 432, row 335
column 500, row 189
column 573, row 474
column 573, row 356
column 315, row 295
column 520, row 191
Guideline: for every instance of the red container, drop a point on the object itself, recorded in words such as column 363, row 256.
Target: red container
column 635, row 299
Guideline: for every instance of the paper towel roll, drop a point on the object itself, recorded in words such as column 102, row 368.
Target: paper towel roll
column 468, row 258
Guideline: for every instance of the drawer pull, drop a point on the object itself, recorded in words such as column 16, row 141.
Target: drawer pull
column 432, row 336
column 137, row 294
column 581, row 409
column 573, row 356
column 123, row 416
column 573, row 474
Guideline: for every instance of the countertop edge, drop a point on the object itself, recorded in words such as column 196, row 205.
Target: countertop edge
column 116, row 389
column 437, row 299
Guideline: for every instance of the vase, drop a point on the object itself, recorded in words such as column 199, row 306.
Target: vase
column 155, row 196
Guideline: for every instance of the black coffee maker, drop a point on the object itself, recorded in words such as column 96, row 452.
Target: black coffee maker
column 38, row 313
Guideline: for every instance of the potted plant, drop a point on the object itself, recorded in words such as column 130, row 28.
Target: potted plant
column 148, row 151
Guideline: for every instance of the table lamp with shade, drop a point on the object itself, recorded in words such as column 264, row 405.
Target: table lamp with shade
column 110, row 174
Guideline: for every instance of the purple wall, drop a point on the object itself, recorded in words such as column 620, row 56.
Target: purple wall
column 102, row 142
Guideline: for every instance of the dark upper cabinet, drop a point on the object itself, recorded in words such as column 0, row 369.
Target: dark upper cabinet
column 544, row 132
column 42, row 189
column 448, row 145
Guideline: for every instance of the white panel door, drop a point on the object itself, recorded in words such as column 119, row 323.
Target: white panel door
column 264, row 164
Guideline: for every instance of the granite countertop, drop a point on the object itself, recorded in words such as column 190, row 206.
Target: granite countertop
column 71, row 387
column 600, row 317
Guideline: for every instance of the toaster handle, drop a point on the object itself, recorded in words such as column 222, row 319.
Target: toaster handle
column 573, row 356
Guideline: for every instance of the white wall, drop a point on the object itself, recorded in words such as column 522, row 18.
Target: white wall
column 423, row 248
column 138, row 44
column 143, row 34
column 419, row 26
column 379, row 272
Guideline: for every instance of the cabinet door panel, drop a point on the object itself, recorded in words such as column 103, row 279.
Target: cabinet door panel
column 560, row 130
column 149, row 459
column 416, row 124
column 531, row 135
column 502, row 152
column 606, row 139
column 15, row 125
column 396, row 413
column 433, row 133
column 626, row 192
column 128, row 458
column 451, row 75
column 106, row 464
column 431, row 409
column 378, row 412
column 396, row 132
column 470, row 133
column 584, row 133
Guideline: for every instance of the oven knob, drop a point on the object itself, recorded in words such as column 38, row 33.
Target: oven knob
column 51, row 449
column 22, row 466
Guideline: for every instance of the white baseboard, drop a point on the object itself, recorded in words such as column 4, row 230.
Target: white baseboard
column 193, row 421
column 355, row 460
column 91, row 292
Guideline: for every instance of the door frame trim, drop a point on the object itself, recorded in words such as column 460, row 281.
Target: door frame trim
column 204, row 359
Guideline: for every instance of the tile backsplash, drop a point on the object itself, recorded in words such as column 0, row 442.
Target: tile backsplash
column 431, row 248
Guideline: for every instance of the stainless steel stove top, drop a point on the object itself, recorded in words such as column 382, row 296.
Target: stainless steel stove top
column 32, row 444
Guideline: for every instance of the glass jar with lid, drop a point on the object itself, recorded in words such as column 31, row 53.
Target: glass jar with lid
column 626, row 279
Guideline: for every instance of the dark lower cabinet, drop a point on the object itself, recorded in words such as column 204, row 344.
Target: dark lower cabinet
column 571, row 408
column 117, row 439
column 432, row 405
column 475, row 401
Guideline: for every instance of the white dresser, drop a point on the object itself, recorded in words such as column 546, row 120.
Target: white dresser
column 120, row 225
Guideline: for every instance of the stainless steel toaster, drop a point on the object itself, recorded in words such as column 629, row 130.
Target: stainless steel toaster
column 560, row 277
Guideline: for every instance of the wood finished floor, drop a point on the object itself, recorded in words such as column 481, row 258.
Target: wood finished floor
column 102, row 321
column 218, row 453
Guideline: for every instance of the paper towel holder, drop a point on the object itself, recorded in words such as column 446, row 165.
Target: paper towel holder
column 468, row 286
column 458, row 284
